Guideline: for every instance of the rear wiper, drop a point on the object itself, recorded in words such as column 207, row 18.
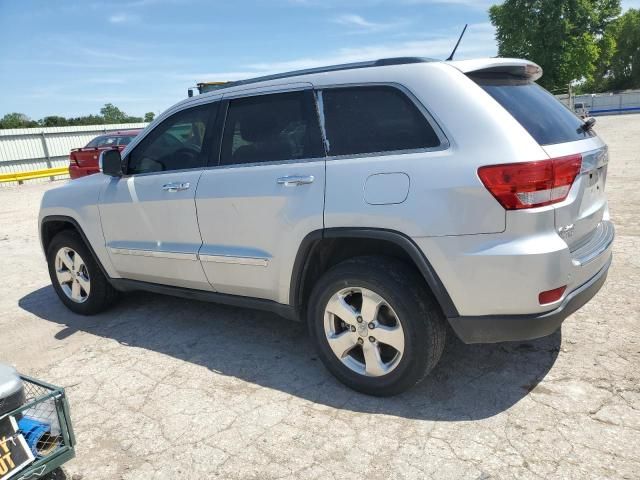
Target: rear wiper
column 587, row 125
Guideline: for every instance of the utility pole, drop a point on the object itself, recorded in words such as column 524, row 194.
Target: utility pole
column 571, row 99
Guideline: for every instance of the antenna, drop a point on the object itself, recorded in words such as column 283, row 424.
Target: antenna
column 458, row 42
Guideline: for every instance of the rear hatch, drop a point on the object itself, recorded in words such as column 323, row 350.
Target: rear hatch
column 85, row 157
column 559, row 132
column 578, row 217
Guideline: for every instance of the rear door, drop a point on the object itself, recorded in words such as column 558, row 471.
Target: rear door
column 559, row 131
column 265, row 194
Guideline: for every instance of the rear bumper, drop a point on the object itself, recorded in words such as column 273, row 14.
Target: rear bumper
column 504, row 328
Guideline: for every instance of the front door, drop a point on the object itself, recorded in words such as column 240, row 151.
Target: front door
column 265, row 194
column 149, row 215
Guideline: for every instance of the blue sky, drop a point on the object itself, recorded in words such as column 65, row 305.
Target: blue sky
column 71, row 57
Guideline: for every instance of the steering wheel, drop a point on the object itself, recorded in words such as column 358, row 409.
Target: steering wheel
column 186, row 155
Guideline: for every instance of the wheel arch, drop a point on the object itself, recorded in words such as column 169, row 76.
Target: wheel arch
column 317, row 245
column 51, row 225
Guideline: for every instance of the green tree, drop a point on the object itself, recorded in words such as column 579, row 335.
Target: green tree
column 149, row 116
column 625, row 63
column 567, row 38
column 53, row 121
column 17, row 120
column 86, row 120
column 112, row 114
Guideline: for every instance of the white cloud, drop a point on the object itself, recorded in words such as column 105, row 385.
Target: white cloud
column 477, row 4
column 95, row 53
column 359, row 24
column 121, row 18
column 221, row 76
column 105, row 80
column 110, row 4
column 355, row 20
column 481, row 4
column 479, row 41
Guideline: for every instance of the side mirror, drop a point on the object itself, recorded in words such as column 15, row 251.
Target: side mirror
column 111, row 163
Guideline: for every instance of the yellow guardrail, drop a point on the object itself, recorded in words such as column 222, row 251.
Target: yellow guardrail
column 20, row 176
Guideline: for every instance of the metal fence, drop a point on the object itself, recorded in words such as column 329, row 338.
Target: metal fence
column 29, row 149
column 604, row 103
column 610, row 103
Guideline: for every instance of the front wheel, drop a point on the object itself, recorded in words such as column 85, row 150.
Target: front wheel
column 376, row 326
column 76, row 276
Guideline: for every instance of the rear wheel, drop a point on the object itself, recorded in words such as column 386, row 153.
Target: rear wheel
column 376, row 327
column 76, row 276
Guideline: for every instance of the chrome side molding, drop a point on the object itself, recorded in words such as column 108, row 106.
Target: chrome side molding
column 154, row 253
column 253, row 261
column 229, row 259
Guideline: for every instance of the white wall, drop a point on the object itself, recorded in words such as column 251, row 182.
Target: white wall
column 611, row 103
column 26, row 149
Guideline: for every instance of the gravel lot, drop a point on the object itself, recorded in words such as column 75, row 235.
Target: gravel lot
column 169, row 388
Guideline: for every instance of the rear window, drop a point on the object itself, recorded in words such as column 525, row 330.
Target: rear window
column 107, row 141
column 546, row 119
column 374, row 119
column 93, row 143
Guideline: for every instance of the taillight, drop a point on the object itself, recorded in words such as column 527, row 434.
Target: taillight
column 73, row 159
column 531, row 184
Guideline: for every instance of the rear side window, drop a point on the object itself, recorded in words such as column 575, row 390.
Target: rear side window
column 266, row 128
column 374, row 119
column 546, row 119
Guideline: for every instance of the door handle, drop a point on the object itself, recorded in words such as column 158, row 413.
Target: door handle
column 176, row 186
column 294, row 180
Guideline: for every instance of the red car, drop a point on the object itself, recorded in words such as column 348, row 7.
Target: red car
column 84, row 161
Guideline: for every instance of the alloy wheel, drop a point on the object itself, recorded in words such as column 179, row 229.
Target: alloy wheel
column 72, row 275
column 363, row 331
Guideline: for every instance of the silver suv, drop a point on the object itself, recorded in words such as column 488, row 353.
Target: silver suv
column 375, row 201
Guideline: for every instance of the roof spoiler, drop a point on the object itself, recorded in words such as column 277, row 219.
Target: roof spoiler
column 508, row 66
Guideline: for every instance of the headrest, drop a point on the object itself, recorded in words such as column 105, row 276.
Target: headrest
column 259, row 128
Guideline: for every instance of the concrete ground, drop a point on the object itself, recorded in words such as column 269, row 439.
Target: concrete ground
column 169, row 388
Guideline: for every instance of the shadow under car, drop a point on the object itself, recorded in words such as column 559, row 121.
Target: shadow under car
column 471, row 381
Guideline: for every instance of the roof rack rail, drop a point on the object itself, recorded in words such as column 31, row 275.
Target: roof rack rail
column 331, row 68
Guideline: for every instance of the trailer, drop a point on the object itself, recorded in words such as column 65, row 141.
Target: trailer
column 36, row 436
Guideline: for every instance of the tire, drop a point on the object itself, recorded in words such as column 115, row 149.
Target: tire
column 406, row 303
column 73, row 290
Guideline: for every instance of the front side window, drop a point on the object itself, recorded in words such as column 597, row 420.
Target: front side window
column 175, row 144
column 266, row 128
column 374, row 119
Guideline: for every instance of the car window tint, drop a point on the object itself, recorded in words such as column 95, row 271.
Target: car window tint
column 546, row 119
column 93, row 143
column 175, row 144
column 265, row 128
column 374, row 119
column 124, row 140
column 107, row 141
